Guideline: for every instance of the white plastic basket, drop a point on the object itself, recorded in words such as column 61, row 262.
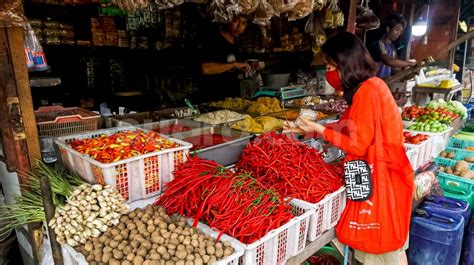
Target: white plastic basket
column 135, row 178
column 281, row 243
column 424, row 151
column 412, row 154
column 326, row 213
column 72, row 257
column 439, row 140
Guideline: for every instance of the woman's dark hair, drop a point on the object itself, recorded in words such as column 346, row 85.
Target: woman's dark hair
column 393, row 20
column 351, row 57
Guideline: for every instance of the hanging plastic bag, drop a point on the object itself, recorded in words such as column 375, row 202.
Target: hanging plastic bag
column 319, row 5
column 264, row 13
column 302, row 9
column 35, row 58
column 248, row 6
column 283, row 6
column 314, row 28
column 11, row 14
column 337, row 15
column 366, row 19
column 222, row 11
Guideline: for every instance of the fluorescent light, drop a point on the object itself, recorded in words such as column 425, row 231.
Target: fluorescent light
column 419, row 28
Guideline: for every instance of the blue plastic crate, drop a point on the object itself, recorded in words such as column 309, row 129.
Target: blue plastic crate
column 460, row 154
column 458, row 143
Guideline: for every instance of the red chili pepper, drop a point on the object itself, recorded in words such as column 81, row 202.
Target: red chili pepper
column 121, row 145
column 290, row 167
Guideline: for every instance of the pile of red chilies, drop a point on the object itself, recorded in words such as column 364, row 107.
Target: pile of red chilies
column 290, row 167
column 235, row 204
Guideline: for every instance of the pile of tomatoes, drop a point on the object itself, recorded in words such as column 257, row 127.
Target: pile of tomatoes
column 415, row 139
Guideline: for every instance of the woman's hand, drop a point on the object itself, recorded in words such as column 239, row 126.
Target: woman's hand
column 302, row 125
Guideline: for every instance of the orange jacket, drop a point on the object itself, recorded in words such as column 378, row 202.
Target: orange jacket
column 358, row 133
column 383, row 224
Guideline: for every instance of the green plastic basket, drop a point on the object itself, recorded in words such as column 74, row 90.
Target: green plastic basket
column 446, row 162
column 460, row 154
column 460, row 193
column 458, row 143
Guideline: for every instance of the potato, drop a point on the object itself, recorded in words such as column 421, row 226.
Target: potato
column 138, row 260
column 146, row 262
column 106, row 257
column 212, row 259
column 146, row 245
column 206, row 258
column 443, row 154
column 113, row 262
column 202, row 251
column 189, row 249
column 146, row 234
column 140, row 214
column 161, row 250
column 150, row 228
column 210, row 250
column 130, row 256
column 118, row 238
column 88, row 247
column 166, row 235
column 457, row 173
column 117, row 254
column 107, row 249
column 467, row 174
column 181, row 238
column 142, row 251
column 219, row 253
column 166, row 256
column 441, row 169
column 181, row 254
column 180, row 262
column 198, row 261
column 90, row 258
column 186, row 233
column 93, row 263
column 195, row 243
column 189, row 262
column 163, row 226
column 127, row 250
column 131, row 226
column 449, row 170
column 172, row 246
column 124, row 219
column 228, row 251
column 451, row 155
column 121, row 227
column 174, row 241
column 190, row 257
column 172, row 252
column 155, row 256
column 469, row 159
column 114, row 232
column 461, row 166
column 122, row 245
column 126, row 262
column 155, row 262
column 98, row 258
column 135, row 243
column 169, row 262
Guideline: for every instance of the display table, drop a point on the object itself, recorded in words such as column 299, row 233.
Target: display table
column 312, row 247
column 421, row 93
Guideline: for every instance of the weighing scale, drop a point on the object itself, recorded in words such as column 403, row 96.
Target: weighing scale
column 284, row 93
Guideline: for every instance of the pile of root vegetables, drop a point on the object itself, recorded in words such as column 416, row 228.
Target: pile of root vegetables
column 151, row 237
column 235, row 204
column 290, row 167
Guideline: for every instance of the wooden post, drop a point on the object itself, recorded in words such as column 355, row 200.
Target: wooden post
column 351, row 17
column 454, row 29
column 19, row 135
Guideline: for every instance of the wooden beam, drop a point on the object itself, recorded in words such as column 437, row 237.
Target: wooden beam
column 351, row 17
column 20, row 73
column 454, row 31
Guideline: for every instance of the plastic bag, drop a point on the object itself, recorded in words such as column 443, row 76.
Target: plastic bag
column 319, row 5
column 302, row 9
column 366, row 19
column 223, row 11
column 248, row 6
column 131, row 5
column 11, row 14
column 283, row 6
column 35, row 58
column 264, row 13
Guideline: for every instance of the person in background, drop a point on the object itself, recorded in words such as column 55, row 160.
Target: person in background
column 384, row 50
column 372, row 117
column 222, row 62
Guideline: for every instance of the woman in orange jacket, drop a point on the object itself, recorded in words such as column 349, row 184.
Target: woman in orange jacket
column 378, row 228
